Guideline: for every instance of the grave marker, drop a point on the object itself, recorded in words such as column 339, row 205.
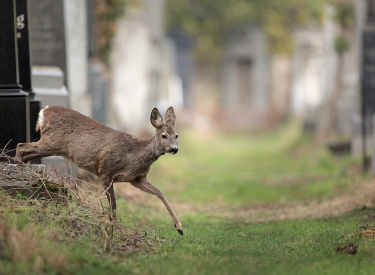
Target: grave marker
column 14, row 103
column 367, row 87
column 47, row 34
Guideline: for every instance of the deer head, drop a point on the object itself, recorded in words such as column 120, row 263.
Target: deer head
column 166, row 138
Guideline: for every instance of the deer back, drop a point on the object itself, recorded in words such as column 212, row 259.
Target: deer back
column 88, row 143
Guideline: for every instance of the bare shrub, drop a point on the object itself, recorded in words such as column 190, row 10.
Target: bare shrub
column 78, row 217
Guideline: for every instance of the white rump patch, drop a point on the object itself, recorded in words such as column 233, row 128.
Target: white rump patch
column 39, row 124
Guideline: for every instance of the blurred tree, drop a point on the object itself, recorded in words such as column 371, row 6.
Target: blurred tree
column 107, row 14
column 344, row 18
column 279, row 18
column 211, row 21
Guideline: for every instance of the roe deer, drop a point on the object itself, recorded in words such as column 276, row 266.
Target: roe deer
column 112, row 155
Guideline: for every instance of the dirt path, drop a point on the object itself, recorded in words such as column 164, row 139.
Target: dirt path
column 359, row 195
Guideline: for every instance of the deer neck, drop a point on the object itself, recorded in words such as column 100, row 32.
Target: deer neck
column 150, row 152
column 155, row 147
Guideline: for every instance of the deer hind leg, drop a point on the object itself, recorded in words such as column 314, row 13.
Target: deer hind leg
column 143, row 184
column 108, row 188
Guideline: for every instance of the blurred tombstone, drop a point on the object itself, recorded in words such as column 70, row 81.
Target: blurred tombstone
column 368, row 85
column 131, row 72
column 142, row 74
column 98, row 91
column 75, row 15
column 97, row 80
column 308, row 58
column 245, row 74
column 357, row 138
column 281, row 73
column 245, row 78
column 49, row 85
column 47, row 34
column 48, row 54
column 366, row 22
column 184, row 63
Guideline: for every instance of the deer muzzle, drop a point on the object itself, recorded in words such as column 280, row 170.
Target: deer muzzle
column 173, row 150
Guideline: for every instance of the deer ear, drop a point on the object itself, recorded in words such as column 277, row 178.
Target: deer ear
column 156, row 119
column 170, row 117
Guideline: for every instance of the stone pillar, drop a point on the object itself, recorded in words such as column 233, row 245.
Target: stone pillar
column 75, row 14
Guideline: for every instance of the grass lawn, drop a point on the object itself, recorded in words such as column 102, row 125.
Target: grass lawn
column 211, row 174
column 218, row 246
column 243, row 169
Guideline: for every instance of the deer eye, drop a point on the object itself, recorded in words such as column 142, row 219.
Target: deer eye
column 164, row 136
column 176, row 136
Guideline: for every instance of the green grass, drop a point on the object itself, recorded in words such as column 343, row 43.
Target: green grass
column 242, row 169
column 217, row 246
column 222, row 171
column 211, row 246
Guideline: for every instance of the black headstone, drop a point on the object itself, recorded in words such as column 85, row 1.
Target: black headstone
column 368, row 74
column 367, row 86
column 14, row 103
column 370, row 11
column 23, row 46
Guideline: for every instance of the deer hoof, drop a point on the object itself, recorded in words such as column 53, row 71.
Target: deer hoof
column 179, row 229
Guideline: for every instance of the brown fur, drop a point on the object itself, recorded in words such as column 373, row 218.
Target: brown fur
column 112, row 155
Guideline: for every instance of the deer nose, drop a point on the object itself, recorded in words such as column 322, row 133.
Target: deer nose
column 174, row 150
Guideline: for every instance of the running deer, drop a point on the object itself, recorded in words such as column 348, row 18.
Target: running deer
column 112, row 155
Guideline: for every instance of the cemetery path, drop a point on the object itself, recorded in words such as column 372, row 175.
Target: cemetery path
column 359, row 195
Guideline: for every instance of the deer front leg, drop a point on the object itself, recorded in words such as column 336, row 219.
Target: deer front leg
column 108, row 187
column 143, row 184
column 39, row 149
column 28, row 151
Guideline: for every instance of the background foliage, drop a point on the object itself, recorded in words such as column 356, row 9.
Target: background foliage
column 211, row 21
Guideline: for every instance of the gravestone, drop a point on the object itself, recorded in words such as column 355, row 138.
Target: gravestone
column 49, row 86
column 77, row 55
column 368, row 74
column 24, row 65
column 47, row 34
column 244, row 77
column 368, row 92
column 184, row 63
column 361, row 134
column 98, row 90
column 48, row 51
column 97, row 80
column 14, row 103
